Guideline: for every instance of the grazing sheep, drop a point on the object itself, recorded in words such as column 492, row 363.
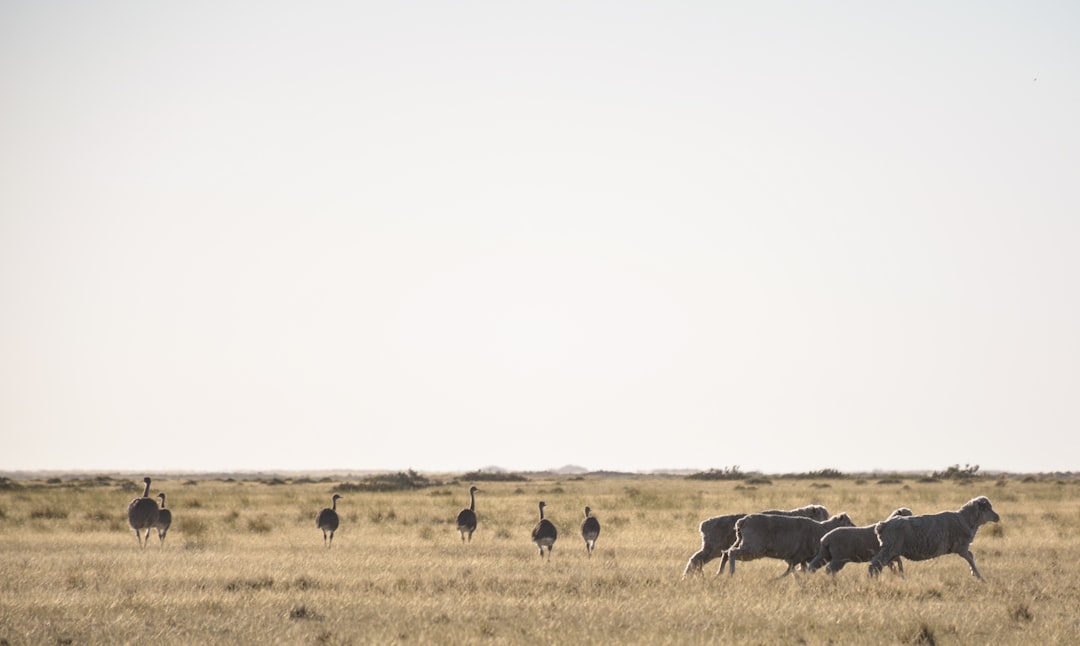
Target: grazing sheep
column 792, row 539
column 718, row 534
column 918, row 538
column 845, row 545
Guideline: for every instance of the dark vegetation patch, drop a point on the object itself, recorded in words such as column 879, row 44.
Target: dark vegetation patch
column 400, row 481
column 820, row 474
column 239, row 585
column 300, row 613
column 493, row 476
column 956, row 472
column 727, row 473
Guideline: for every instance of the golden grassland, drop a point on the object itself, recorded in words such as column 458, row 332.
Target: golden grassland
column 244, row 563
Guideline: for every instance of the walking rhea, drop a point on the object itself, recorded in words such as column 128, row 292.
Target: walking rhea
column 466, row 519
column 328, row 521
column 164, row 520
column 544, row 534
column 590, row 529
column 143, row 513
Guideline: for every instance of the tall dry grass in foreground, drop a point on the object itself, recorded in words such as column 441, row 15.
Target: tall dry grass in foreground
column 244, row 563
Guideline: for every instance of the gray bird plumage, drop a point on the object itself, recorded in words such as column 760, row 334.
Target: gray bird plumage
column 142, row 514
column 544, row 533
column 328, row 521
column 164, row 520
column 466, row 519
column 590, row 529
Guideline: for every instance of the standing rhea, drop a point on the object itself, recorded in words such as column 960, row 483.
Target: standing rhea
column 328, row 521
column 590, row 529
column 544, row 534
column 466, row 519
column 164, row 519
column 142, row 514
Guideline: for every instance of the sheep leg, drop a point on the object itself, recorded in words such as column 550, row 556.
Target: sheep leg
column 724, row 558
column 970, row 558
column 882, row 557
column 730, row 556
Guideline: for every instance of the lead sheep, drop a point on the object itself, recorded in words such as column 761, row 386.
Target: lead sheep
column 793, row 540
column 718, row 534
column 918, row 538
column 845, row 545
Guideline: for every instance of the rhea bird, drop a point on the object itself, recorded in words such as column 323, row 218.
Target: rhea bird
column 328, row 521
column 164, row 520
column 590, row 529
column 544, row 534
column 466, row 519
column 143, row 513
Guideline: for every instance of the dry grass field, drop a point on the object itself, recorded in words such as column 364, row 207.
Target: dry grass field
column 244, row 563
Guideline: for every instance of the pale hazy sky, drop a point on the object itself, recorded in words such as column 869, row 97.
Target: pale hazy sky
column 447, row 235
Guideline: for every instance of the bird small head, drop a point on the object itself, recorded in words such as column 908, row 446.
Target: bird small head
column 542, row 504
column 146, row 479
column 161, row 495
column 474, row 489
column 337, row 497
column 588, row 510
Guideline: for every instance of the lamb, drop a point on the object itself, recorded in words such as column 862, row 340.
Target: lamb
column 845, row 545
column 795, row 540
column 918, row 538
column 718, row 534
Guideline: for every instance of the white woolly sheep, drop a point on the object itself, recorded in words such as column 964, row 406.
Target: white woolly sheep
column 845, row 545
column 918, row 538
column 793, row 540
column 718, row 534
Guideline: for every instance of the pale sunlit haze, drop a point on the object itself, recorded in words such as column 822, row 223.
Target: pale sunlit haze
column 786, row 236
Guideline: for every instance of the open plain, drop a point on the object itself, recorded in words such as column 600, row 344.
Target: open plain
column 245, row 563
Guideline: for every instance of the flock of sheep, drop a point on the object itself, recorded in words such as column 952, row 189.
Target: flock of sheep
column 806, row 537
column 809, row 538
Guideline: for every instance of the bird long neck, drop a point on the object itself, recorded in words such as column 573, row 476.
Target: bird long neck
column 162, row 496
column 472, row 500
column 541, row 512
column 333, row 504
column 146, row 489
